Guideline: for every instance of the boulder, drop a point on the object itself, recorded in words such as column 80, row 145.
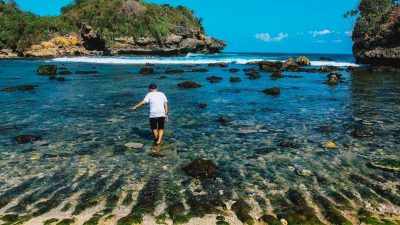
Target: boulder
column 28, row 138
column 223, row 120
column 219, row 64
column 214, row 79
column 329, row 145
column 253, row 75
column 146, row 70
column 64, row 72
column 290, row 63
column 360, row 132
column 303, row 61
column 174, row 71
column 277, row 75
column 234, row 79
column 189, row 84
column 47, row 70
column 270, row 66
column 234, row 70
column 272, row 91
column 200, row 70
column 202, row 169
column 202, row 105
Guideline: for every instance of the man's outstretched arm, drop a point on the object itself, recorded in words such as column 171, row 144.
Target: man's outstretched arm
column 166, row 108
column 142, row 103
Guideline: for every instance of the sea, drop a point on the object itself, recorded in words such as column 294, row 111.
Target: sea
column 316, row 152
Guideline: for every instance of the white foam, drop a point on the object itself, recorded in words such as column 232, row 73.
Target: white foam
column 189, row 59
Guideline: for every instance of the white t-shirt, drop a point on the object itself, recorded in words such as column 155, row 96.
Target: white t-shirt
column 156, row 101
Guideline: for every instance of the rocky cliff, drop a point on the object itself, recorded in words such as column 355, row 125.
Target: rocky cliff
column 97, row 27
column 376, row 35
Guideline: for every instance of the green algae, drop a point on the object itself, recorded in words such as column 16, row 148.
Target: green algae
column 367, row 218
column 109, row 217
column 16, row 191
column 242, row 211
column 53, row 202
column 329, row 211
column 270, row 220
column 340, row 200
column 161, row 218
column 181, row 219
column 50, row 221
column 132, row 218
column 222, row 223
column 66, row 222
column 128, row 199
column 66, row 207
column 111, row 203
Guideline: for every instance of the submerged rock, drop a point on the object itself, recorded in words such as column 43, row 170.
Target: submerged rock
column 214, row 79
column 202, row 105
column 134, row 145
column 202, row 169
column 189, row 84
column 223, row 120
column 287, row 144
column 387, row 164
column 64, row 72
column 20, row 88
column 234, row 70
column 329, row 144
column 219, row 64
column 146, row 70
column 359, row 132
column 200, row 70
column 47, row 70
column 253, row 75
column 277, row 75
column 28, row 138
column 270, row 66
column 272, row 91
column 242, row 211
column 174, row 71
column 86, row 72
column 235, row 79
column 326, row 128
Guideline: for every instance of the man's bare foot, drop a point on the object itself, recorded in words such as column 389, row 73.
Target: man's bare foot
column 158, row 142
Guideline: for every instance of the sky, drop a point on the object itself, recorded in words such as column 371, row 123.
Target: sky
column 274, row 26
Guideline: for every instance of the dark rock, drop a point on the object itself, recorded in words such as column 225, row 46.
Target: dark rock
column 234, row 70
column 328, row 69
column 291, row 63
column 336, row 75
column 61, row 79
column 146, row 70
column 86, row 72
column 219, row 64
column 163, row 77
column 214, row 79
column 303, row 61
column 24, row 139
column 235, row 79
column 202, row 169
column 47, row 70
column 64, row 72
column 220, row 218
column 175, row 210
column 26, row 87
column 202, row 105
column 395, row 100
column 53, row 78
column 270, row 66
column 251, row 70
column 189, row 84
column 200, row 70
column 253, row 75
column 92, row 40
column 174, row 71
column 326, row 128
column 269, row 219
column 9, row 89
column 272, row 91
column 350, row 69
column 277, row 75
column 359, row 132
column 287, row 144
column 323, row 58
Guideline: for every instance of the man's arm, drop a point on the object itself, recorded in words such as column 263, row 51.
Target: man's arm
column 166, row 108
column 142, row 103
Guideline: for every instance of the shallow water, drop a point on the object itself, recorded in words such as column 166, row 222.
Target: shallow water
column 84, row 123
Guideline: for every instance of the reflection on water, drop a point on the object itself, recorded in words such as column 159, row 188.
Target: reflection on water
column 270, row 153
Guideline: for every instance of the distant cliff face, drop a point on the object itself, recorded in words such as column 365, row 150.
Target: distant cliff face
column 98, row 27
column 376, row 34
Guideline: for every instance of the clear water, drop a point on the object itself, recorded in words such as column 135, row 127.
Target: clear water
column 84, row 123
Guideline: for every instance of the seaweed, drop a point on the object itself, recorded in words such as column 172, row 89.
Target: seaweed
column 16, row 191
column 343, row 202
column 128, row 199
column 66, row 222
column 242, row 210
column 367, row 218
column 94, row 220
column 53, row 202
column 50, row 221
column 270, row 220
column 329, row 211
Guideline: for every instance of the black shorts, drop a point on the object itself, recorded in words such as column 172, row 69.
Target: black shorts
column 157, row 123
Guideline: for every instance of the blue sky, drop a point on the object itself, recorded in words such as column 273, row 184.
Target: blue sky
column 287, row 26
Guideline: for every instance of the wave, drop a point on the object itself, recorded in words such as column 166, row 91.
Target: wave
column 189, row 59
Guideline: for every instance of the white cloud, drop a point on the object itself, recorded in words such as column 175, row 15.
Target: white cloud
column 337, row 41
column 321, row 32
column 268, row 38
column 350, row 32
column 332, row 41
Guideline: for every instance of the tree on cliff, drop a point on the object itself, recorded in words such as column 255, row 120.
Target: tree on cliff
column 12, row 3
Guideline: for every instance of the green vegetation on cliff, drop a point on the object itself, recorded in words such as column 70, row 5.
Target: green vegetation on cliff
column 110, row 18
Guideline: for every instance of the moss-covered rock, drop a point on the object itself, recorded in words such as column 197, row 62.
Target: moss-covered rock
column 202, row 169
column 66, row 222
column 50, row 221
column 242, row 211
column 386, row 164
column 47, row 70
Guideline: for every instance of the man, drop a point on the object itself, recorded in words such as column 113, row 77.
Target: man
column 158, row 111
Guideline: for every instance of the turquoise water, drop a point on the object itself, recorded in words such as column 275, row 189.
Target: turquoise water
column 84, row 124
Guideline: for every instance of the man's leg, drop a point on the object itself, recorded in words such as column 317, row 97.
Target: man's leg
column 160, row 124
column 153, row 127
column 155, row 134
column 160, row 136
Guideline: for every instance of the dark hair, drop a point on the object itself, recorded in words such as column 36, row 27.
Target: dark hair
column 153, row 86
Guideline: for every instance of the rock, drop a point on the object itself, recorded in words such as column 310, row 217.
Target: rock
column 200, row 70
column 47, row 70
column 202, row 169
column 328, row 69
column 52, row 78
column 242, row 211
column 336, row 75
column 287, row 144
column 234, row 70
column 64, row 72
column 174, row 71
column 277, row 75
column 9, row 89
column 219, row 64
column 270, row 66
column 323, row 58
column 146, row 70
column 326, row 128
column 235, row 79
column 303, row 61
column 220, row 218
column 20, row 88
column 189, row 84
column 290, row 63
column 329, row 145
column 86, row 72
column 61, row 79
column 253, row 75
column 250, row 70
column 214, row 79
column 359, row 132
column 134, row 145
column 268, row 220
column 350, row 69
column 272, row 91
column 304, row 172
column 202, row 105
column 334, row 78
column 387, row 164
column 24, row 139
column 8, row 54
column 283, row 222
column 92, row 40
